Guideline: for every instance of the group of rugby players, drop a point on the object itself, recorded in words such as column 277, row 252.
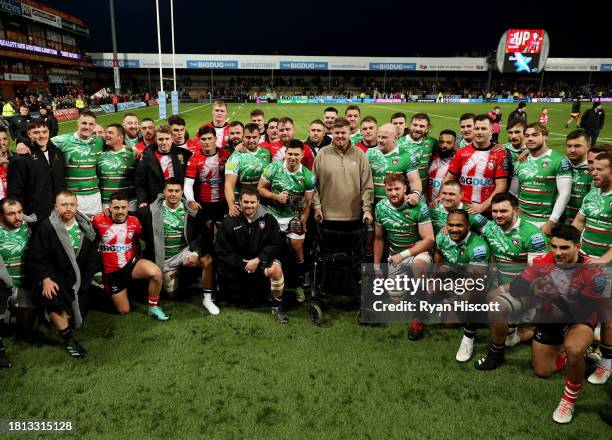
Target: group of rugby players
column 456, row 200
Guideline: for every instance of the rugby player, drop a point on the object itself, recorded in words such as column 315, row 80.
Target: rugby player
column 280, row 181
column 286, row 133
column 419, row 144
column 369, row 136
column 543, row 182
column 219, row 122
column 464, row 254
column 399, row 122
column 81, row 153
column 118, row 234
column 480, row 169
column 116, row 167
column 179, row 134
column 316, row 136
column 440, row 161
column 577, row 144
column 329, row 117
column 131, row 125
column 407, row 230
column 258, row 118
column 206, row 171
column 516, row 143
column 243, row 170
column 568, row 291
column 594, row 220
column 450, row 200
column 175, row 239
column 466, row 128
column 147, row 136
column 513, row 242
column 235, row 135
column 353, row 115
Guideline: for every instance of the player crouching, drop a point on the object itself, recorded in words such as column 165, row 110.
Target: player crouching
column 118, row 234
column 569, row 291
column 174, row 240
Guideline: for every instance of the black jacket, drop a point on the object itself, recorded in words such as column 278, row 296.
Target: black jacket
column 515, row 115
column 592, row 120
column 149, row 178
column 315, row 149
column 34, row 181
column 51, row 122
column 197, row 236
column 50, row 254
column 19, row 127
column 238, row 239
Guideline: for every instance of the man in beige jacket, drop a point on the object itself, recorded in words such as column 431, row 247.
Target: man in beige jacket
column 345, row 191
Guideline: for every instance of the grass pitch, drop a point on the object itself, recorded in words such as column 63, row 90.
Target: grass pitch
column 241, row 375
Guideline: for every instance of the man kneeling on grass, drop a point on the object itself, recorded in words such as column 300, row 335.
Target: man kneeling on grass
column 62, row 257
column 119, row 233
column 174, row 239
column 249, row 245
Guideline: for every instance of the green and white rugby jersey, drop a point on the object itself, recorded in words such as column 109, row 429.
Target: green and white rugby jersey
column 74, row 233
column 116, row 172
column 421, row 152
column 174, row 230
column 248, row 166
column 296, row 183
column 355, row 138
column 581, row 185
column 401, row 224
column 439, row 216
column 537, row 178
column 80, row 161
column 511, row 248
column 473, row 249
column 12, row 250
column 131, row 142
column 396, row 161
column 514, row 152
column 597, row 234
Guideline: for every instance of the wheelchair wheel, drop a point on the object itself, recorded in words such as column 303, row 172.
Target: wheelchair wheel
column 316, row 314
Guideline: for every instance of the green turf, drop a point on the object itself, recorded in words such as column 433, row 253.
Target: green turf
column 241, row 375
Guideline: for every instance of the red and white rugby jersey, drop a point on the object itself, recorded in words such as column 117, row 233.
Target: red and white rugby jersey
column 3, row 185
column 477, row 171
column 165, row 161
column 208, row 173
column 278, row 150
column 116, row 241
column 437, row 170
column 222, row 134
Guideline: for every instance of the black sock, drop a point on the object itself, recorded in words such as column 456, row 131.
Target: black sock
column 512, row 329
column 300, row 268
column 275, row 302
column 66, row 334
column 469, row 331
column 497, row 350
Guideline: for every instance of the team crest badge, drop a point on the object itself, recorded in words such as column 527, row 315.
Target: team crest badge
column 130, row 234
column 262, row 224
column 491, row 164
column 180, row 158
column 515, row 242
column 544, row 164
column 395, row 161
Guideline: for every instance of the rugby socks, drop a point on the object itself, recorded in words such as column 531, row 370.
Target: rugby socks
column 469, row 331
column 570, row 393
column 606, row 355
column 153, row 301
column 206, row 291
column 561, row 361
column 497, row 350
column 66, row 334
column 300, row 269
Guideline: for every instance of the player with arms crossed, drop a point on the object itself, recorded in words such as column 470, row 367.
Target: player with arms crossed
column 419, row 144
column 119, row 233
column 543, row 182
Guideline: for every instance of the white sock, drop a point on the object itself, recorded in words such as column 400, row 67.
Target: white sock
column 467, row 340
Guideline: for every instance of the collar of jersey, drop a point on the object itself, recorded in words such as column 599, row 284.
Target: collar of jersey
column 392, row 151
column 446, row 211
column 292, row 172
column 580, row 166
column 75, row 135
column 514, row 227
column 547, row 154
column 465, row 240
column 165, row 205
column 409, row 139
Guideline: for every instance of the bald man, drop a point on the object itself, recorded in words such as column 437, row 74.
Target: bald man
column 393, row 160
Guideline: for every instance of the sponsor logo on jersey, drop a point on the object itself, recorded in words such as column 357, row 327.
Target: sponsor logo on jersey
column 115, row 247
column 475, row 181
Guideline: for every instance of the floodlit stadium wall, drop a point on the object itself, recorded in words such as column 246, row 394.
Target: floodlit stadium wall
column 309, row 63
